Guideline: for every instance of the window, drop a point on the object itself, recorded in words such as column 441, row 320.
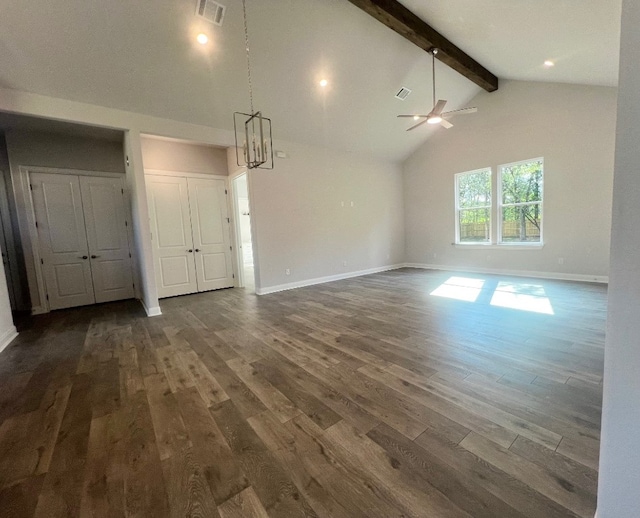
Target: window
column 520, row 202
column 473, row 207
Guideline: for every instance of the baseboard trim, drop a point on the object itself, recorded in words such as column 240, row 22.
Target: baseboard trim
column 7, row 337
column 328, row 278
column 154, row 311
column 515, row 273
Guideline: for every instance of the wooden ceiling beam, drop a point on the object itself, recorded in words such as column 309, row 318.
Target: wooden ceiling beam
column 397, row 17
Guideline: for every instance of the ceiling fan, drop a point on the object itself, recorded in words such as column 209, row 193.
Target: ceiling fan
column 436, row 115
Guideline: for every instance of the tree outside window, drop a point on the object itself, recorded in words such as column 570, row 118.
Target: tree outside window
column 473, row 206
column 520, row 188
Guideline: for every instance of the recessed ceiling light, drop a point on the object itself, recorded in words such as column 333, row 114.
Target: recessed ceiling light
column 202, row 38
column 324, row 82
column 548, row 63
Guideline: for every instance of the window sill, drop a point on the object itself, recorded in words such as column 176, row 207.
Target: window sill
column 503, row 246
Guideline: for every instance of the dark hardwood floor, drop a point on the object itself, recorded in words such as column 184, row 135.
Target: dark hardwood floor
column 367, row 397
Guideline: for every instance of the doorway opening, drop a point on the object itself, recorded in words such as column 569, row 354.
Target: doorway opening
column 243, row 229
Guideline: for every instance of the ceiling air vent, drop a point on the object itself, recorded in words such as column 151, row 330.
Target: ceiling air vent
column 403, row 93
column 211, row 11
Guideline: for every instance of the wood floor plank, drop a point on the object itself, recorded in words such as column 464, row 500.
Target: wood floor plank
column 305, row 401
column 208, row 387
column 243, row 505
column 517, row 494
column 243, row 398
column 563, row 467
column 145, row 492
column 540, row 479
column 366, row 397
column 272, row 398
column 103, row 492
column 368, row 455
column 357, row 491
column 279, row 496
column 420, row 467
column 61, row 491
column 170, row 434
column 221, row 468
column 282, row 443
column 20, row 500
column 187, row 489
column 334, row 399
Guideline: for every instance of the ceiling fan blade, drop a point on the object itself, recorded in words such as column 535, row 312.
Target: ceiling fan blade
column 462, row 111
column 419, row 124
column 437, row 109
column 446, row 124
column 413, row 115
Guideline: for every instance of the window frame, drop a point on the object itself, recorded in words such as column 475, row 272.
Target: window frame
column 501, row 205
column 457, row 208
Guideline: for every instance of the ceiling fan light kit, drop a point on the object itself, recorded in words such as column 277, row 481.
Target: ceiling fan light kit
column 436, row 115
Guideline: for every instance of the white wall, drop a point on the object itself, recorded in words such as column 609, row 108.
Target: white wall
column 27, row 148
column 298, row 199
column 64, row 151
column 169, row 155
column 142, row 251
column 299, row 221
column 572, row 127
column 619, row 478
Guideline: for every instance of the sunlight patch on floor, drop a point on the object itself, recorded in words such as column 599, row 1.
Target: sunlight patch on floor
column 524, row 297
column 520, row 296
column 460, row 288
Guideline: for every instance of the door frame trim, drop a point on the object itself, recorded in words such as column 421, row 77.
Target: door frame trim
column 25, row 178
column 254, row 227
column 7, row 226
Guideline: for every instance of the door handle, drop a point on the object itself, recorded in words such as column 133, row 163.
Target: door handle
column 83, row 257
column 94, row 256
column 197, row 249
column 190, row 250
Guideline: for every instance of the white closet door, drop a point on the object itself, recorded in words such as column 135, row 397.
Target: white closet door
column 104, row 215
column 59, row 216
column 211, row 236
column 171, row 235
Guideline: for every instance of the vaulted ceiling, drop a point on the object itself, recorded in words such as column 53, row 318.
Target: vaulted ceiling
column 142, row 56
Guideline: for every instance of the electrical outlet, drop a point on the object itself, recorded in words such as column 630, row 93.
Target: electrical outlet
column 287, row 271
column 352, row 204
column 560, row 260
column 344, row 263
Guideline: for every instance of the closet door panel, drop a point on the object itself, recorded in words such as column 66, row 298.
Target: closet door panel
column 211, row 234
column 171, row 235
column 62, row 239
column 104, row 211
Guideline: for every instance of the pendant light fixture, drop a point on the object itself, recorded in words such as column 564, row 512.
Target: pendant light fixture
column 253, row 130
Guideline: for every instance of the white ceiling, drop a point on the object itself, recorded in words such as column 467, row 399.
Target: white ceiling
column 141, row 56
column 514, row 38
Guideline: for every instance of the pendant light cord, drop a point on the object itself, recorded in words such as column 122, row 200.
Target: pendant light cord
column 246, row 41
